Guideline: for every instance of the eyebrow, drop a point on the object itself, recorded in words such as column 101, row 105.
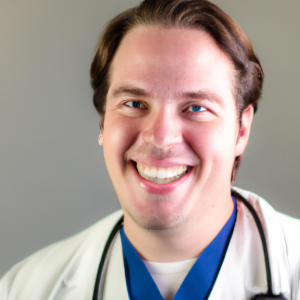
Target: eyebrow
column 199, row 95
column 130, row 91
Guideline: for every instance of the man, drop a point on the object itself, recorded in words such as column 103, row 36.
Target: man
column 176, row 83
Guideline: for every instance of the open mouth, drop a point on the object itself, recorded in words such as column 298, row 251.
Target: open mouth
column 161, row 175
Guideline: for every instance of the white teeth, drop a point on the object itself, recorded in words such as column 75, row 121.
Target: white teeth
column 161, row 175
column 169, row 174
column 180, row 170
column 146, row 171
column 138, row 166
column 153, row 172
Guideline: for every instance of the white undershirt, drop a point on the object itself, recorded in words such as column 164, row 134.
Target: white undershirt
column 169, row 276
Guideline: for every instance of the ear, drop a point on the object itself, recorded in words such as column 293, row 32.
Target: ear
column 100, row 138
column 244, row 132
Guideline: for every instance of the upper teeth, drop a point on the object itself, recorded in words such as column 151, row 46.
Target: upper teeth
column 161, row 173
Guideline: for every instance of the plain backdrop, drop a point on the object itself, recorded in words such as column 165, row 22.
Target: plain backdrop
column 53, row 179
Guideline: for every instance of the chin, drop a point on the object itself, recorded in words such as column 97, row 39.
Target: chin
column 160, row 215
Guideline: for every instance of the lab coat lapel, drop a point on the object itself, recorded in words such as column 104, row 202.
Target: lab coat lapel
column 78, row 279
column 115, row 282
column 276, row 243
column 243, row 272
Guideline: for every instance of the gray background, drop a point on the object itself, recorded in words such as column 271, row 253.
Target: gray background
column 53, row 179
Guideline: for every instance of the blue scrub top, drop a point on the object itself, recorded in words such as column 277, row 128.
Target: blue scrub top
column 199, row 281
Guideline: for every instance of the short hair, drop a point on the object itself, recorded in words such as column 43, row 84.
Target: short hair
column 183, row 14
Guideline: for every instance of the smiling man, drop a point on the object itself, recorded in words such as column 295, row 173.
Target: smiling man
column 176, row 84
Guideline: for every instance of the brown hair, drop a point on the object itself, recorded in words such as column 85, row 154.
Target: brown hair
column 185, row 14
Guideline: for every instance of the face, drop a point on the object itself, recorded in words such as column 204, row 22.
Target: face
column 171, row 132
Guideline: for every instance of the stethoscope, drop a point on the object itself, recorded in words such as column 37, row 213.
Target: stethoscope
column 99, row 284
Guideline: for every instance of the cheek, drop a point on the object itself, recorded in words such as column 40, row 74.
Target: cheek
column 214, row 144
column 118, row 136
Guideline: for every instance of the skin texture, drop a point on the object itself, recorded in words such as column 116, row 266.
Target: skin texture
column 168, row 71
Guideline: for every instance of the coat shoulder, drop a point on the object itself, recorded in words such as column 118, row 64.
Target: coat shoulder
column 54, row 261
column 291, row 231
column 290, row 226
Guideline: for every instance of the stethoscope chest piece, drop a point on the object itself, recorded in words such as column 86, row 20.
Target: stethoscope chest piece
column 267, row 297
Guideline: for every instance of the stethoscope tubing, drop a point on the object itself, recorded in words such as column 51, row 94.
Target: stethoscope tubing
column 262, row 237
column 99, row 284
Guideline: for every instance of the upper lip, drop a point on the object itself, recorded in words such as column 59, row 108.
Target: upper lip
column 168, row 162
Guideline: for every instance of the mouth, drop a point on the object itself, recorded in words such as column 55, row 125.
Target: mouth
column 161, row 175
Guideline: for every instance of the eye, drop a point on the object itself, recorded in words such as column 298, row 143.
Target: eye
column 196, row 108
column 135, row 104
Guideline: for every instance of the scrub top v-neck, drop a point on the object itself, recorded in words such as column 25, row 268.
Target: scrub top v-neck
column 200, row 279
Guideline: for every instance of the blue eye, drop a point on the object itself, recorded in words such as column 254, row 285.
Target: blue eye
column 135, row 104
column 196, row 108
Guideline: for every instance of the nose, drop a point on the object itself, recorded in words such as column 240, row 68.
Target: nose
column 163, row 129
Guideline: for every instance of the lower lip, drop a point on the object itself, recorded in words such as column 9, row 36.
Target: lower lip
column 156, row 188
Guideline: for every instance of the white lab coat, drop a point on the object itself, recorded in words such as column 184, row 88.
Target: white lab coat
column 67, row 269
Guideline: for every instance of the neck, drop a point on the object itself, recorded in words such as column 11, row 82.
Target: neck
column 182, row 242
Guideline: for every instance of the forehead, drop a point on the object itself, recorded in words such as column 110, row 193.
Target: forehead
column 171, row 61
